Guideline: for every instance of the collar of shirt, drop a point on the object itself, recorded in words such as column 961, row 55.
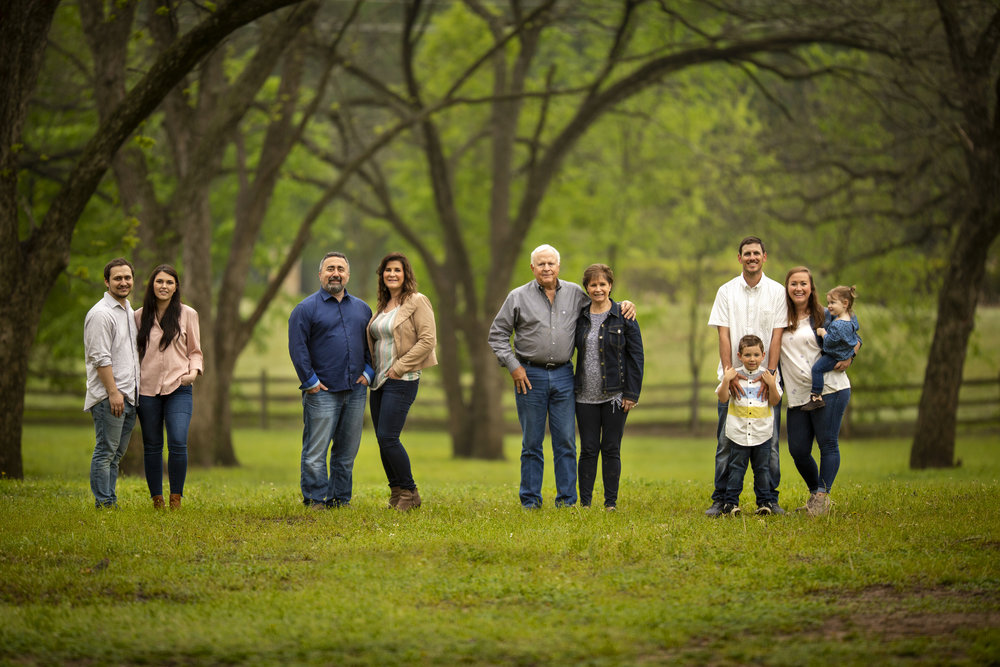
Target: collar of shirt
column 748, row 286
column 112, row 302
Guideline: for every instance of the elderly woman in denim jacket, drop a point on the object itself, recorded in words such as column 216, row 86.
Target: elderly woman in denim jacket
column 608, row 380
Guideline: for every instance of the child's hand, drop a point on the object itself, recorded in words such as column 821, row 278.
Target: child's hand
column 767, row 377
column 821, row 331
column 729, row 375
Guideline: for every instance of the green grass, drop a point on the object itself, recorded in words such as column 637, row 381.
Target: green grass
column 905, row 569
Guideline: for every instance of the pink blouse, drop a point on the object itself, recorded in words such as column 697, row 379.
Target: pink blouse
column 161, row 370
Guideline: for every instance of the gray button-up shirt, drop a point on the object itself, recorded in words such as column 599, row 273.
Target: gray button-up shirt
column 109, row 334
column 543, row 332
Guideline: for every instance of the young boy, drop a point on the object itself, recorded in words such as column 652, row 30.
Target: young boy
column 749, row 425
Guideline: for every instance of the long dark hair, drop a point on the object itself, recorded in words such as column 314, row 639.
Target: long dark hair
column 813, row 308
column 409, row 282
column 170, row 323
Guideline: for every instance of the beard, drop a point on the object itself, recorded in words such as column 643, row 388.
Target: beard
column 334, row 286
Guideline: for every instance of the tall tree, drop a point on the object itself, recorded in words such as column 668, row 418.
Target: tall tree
column 904, row 162
column 970, row 33
column 550, row 72
column 34, row 251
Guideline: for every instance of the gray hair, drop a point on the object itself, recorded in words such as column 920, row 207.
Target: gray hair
column 334, row 254
column 545, row 247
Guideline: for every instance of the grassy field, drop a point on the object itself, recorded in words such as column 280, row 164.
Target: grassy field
column 905, row 570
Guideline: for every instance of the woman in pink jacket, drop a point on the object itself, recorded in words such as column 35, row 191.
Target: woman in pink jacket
column 169, row 343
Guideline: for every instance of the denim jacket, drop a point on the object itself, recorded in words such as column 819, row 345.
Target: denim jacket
column 621, row 352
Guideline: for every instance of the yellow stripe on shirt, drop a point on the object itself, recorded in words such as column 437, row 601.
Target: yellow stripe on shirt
column 750, row 411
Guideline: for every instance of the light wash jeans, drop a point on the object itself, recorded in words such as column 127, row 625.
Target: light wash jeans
column 112, row 441
column 328, row 417
column 553, row 396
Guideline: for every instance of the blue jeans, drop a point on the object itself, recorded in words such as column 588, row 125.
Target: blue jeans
column 112, row 441
column 759, row 457
column 601, row 426
column 552, row 395
column 823, row 426
column 390, row 404
column 174, row 411
column 722, row 453
column 823, row 365
column 328, row 417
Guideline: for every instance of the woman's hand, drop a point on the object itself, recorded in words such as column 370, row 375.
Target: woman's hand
column 188, row 379
column 628, row 405
column 843, row 365
column 393, row 375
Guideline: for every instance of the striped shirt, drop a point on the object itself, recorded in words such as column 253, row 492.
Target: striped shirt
column 109, row 334
column 750, row 420
column 384, row 353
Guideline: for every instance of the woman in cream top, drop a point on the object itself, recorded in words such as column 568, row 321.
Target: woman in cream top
column 799, row 351
column 401, row 338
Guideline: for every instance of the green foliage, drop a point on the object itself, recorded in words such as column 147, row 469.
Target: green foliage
column 243, row 573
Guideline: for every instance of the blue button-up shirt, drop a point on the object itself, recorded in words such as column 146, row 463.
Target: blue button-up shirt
column 327, row 342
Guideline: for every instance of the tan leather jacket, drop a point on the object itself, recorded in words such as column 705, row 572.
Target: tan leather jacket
column 414, row 335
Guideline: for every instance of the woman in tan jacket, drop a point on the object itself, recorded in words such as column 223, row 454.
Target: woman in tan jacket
column 401, row 338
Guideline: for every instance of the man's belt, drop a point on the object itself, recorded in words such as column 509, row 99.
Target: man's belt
column 547, row 365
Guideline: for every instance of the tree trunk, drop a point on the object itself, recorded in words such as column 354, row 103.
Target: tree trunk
column 24, row 25
column 977, row 90
column 934, row 443
column 19, row 315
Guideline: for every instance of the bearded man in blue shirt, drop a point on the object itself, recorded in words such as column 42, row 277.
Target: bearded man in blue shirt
column 328, row 347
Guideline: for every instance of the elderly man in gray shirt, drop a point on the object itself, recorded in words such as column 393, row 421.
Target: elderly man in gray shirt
column 541, row 316
column 109, row 337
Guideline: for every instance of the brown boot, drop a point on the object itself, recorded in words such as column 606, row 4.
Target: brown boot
column 416, row 497
column 157, row 502
column 406, row 497
column 394, row 497
column 175, row 501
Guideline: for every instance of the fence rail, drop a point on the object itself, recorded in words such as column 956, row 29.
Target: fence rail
column 265, row 401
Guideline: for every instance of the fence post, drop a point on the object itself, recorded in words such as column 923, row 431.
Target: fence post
column 263, row 399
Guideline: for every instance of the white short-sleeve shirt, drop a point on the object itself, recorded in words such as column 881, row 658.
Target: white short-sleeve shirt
column 799, row 351
column 757, row 310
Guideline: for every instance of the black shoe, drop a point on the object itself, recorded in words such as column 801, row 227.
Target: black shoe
column 815, row 403
column 715, row 509
column 729, row 509
column 764, row 510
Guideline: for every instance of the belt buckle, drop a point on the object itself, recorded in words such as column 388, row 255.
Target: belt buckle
column 549, row 366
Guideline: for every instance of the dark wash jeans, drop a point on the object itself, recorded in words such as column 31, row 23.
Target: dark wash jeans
column 172, row 410
column 390, row 404
column 722, row 453
column 601, row 426
column 823, row 425
column 759, row 458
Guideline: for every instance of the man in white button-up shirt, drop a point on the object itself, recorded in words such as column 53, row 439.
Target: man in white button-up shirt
column 750, row 303
column 109, row 340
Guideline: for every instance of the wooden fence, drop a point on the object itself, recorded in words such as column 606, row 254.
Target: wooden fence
column 267, row 401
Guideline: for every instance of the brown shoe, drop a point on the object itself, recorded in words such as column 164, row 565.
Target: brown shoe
column 175, row 501
column 408, row 499
column 394, row 497
column 157, row 502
